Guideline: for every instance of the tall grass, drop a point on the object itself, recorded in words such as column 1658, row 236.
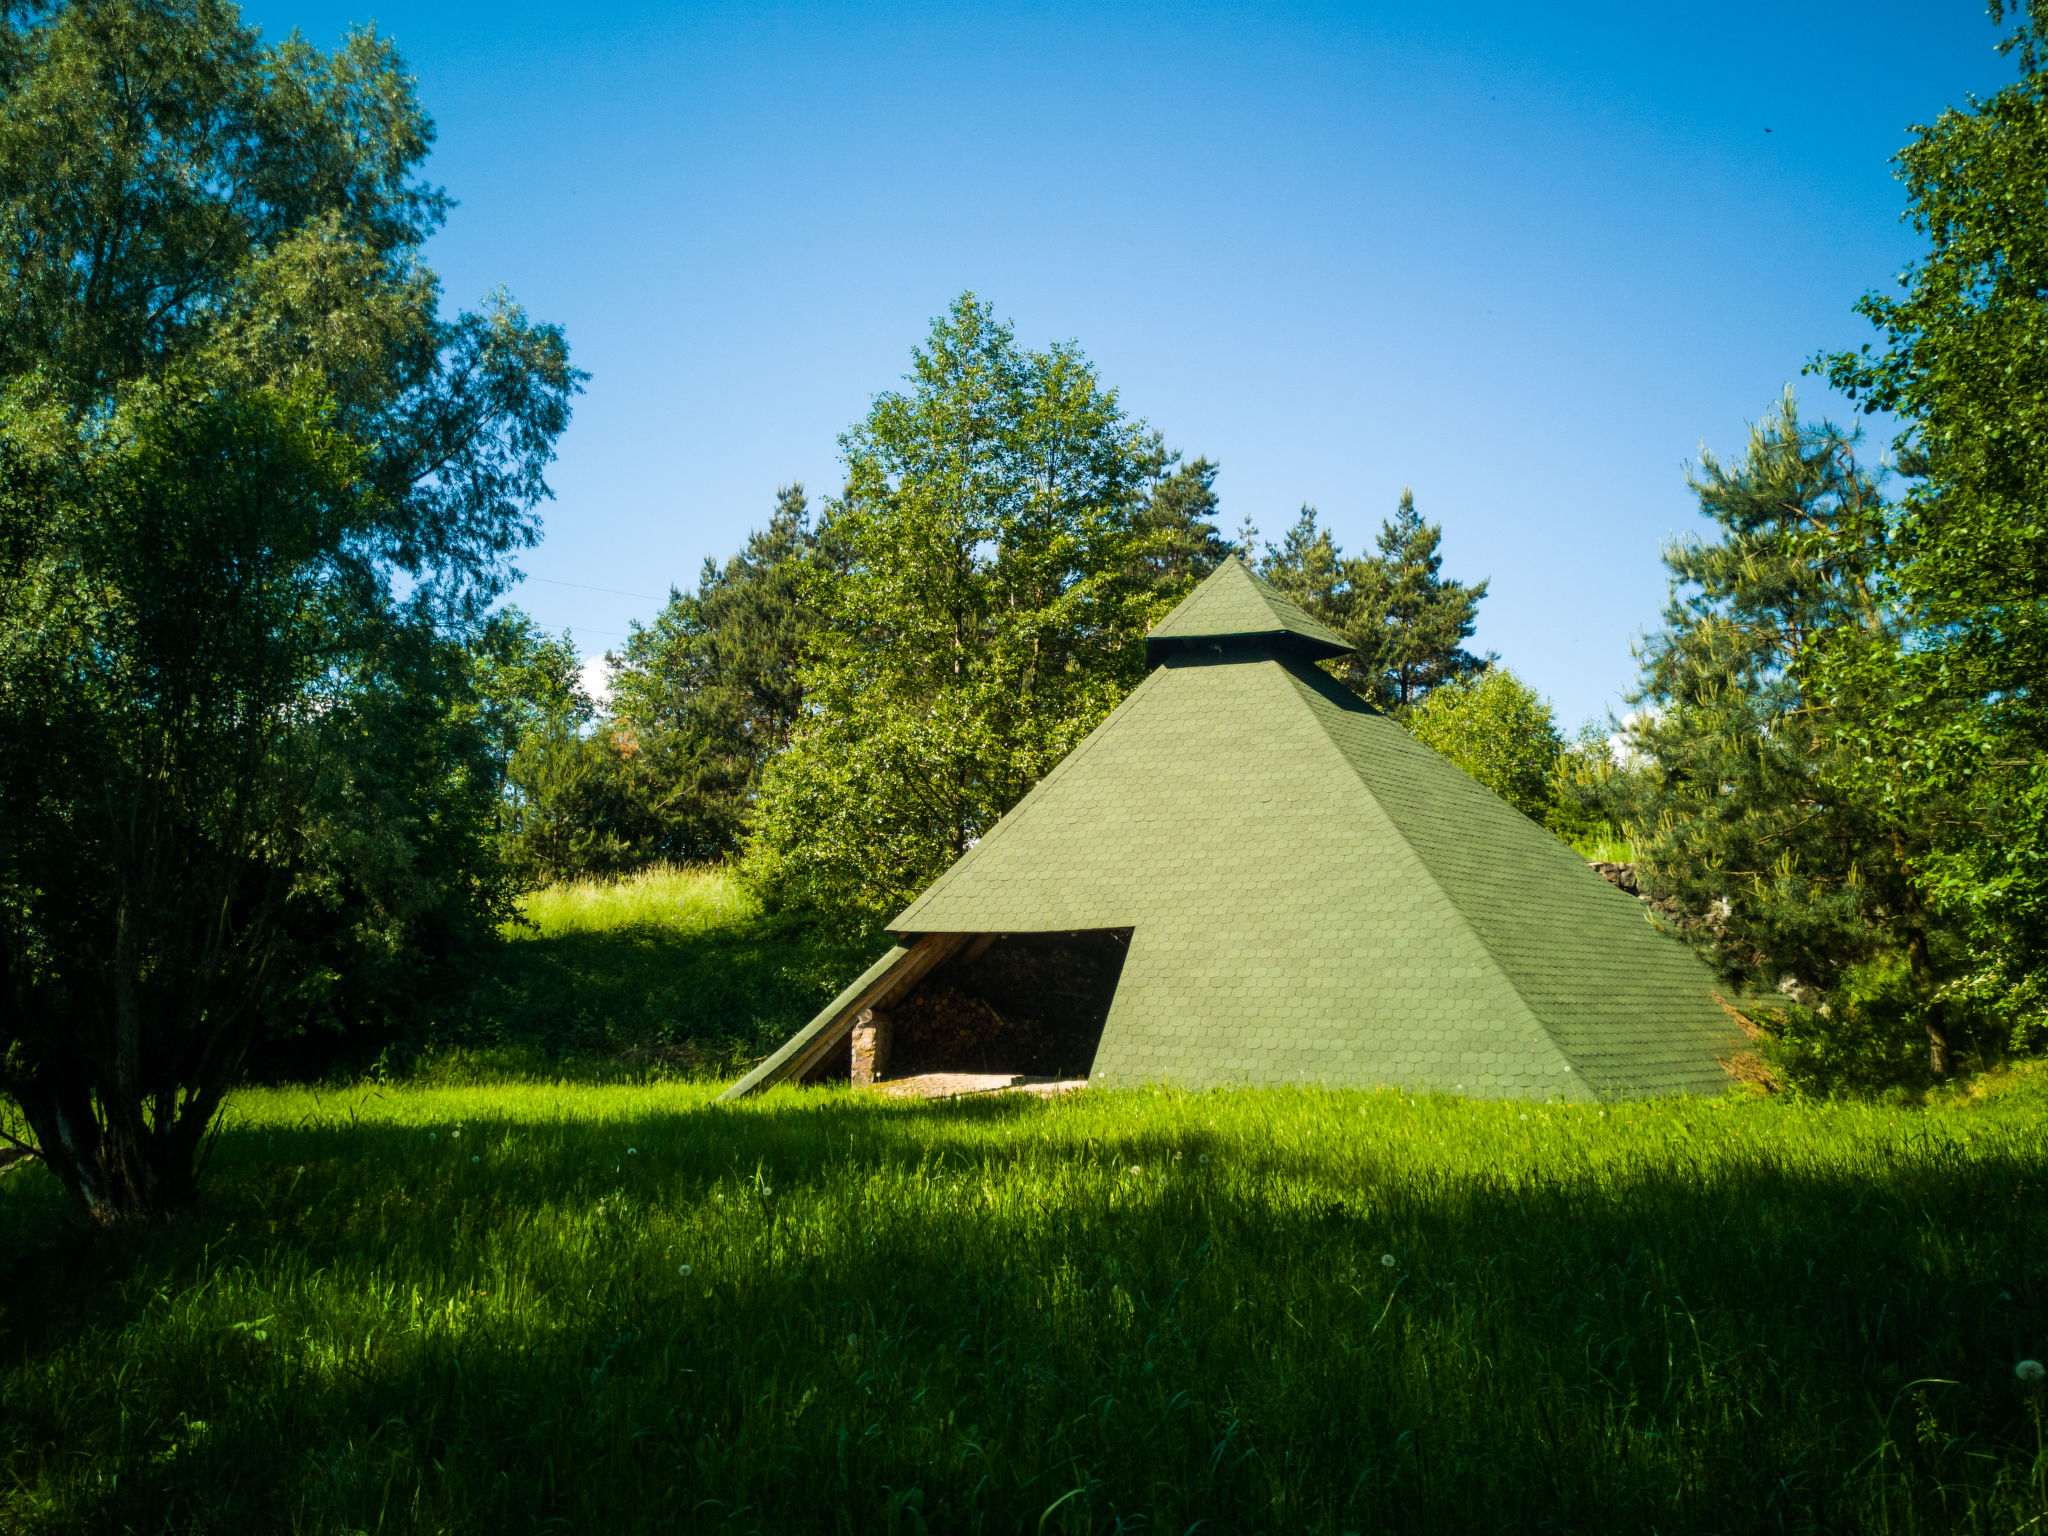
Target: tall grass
column 668, row 898
column 580, row 1308
column 1604, row 850
column 673, row 970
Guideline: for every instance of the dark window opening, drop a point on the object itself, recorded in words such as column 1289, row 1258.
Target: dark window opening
column 1033, row 1004
column 1026, row 1004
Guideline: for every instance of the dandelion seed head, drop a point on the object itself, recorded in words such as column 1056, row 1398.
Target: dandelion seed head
column 1386, row 1261
column 683, row 1270
column 2030, row 1371
column 632, row 1151
column 476, row 1159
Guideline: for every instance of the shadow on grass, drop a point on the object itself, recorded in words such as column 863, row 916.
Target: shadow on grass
column 909, row 1320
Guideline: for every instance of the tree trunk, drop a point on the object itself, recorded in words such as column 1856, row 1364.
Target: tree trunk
column 118, row 1167
column 1938, row 1055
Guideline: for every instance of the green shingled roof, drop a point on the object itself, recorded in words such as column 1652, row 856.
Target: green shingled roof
column 1316, row 897
column 1235, row 605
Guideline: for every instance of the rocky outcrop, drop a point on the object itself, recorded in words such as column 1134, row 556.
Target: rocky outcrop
column 1626, row 877
column 1622, row 876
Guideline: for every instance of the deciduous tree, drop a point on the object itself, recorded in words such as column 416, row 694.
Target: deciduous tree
column 990, row 590
column 1500, row 731
column 235, row 765
column 1960, row 744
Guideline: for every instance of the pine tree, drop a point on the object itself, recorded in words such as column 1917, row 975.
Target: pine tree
column 1308, row 569
column 1408, row 621
column 1182, row 544
column 1737, row 807
column 704, row 696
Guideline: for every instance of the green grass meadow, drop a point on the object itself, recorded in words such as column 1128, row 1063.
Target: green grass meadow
column 617, row 1308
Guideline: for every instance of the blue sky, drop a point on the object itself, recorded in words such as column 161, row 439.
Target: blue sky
column 1524, row 259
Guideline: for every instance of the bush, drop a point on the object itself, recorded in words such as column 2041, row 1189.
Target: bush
column 1867, row 1038
column 1500, row 731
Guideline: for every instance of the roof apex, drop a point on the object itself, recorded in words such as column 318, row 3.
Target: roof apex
column 1234, row 604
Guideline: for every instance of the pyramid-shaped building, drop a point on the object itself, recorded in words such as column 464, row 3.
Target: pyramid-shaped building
column 1299, row 892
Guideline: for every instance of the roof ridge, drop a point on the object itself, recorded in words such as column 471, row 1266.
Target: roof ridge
column 1436, row 883
column 1279, row 599
column 1008, row 819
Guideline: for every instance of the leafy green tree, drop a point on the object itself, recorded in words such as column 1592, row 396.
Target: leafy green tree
column 177, row 194
column 986, row 608
column 563, row 803
column 1497, row 729
column 528, row 683
column 708, row 693
column 1739, row 805
column 1960, row 744
column 203, row 800
column 234, row 762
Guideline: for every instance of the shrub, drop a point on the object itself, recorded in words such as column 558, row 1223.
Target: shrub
column 1500, row 731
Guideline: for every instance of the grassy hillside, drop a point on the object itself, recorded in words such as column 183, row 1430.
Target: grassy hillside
column 673, row 970
column 622, row 1308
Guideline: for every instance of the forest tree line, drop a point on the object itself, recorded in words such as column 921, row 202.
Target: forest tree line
column 275, row 756
column 848, row 703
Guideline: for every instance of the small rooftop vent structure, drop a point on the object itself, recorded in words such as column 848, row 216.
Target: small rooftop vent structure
column 1260, row 879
